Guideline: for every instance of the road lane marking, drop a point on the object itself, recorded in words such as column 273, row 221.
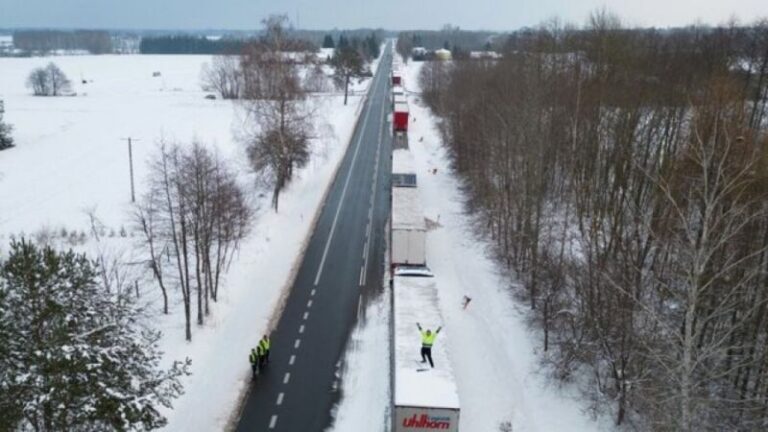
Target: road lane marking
column 359, row 305
column 301, row 328
column 312, row 293
column 297, row 343
column 280, row 398
column 306, row 315
column 369, row 228
column 273, row 421
column 346, row 185
column 286, row 377
column 291, row 360
column 309, row 303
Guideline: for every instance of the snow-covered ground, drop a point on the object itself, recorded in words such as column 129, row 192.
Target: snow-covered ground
column 490, row 347
column 70, row 157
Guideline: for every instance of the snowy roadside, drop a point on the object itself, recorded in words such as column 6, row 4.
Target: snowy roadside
column 365, row 376
column 256, row 285
column 491, row 348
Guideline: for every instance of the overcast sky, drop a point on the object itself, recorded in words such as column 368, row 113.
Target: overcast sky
column 390, row 14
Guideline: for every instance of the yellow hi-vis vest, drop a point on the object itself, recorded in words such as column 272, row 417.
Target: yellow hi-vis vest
column 264, row 344
column 428, row 339
column 253, row 357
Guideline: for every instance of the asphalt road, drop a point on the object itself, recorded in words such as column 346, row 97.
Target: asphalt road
column 343, row 262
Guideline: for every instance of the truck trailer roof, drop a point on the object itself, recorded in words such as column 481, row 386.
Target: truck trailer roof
column 416, row 384
column 403, row 162
column 401, row 107
column 407, row 213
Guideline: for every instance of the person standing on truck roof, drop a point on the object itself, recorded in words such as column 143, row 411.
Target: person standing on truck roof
column 427, row 340
column 264, row 345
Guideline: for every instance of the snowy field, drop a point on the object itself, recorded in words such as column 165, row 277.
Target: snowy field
column 70, row 157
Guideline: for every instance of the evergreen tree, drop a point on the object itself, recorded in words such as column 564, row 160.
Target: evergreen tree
column 343, row 42
column 328, row 42
column 6, row 140
column 347, row 63
column 74, row 357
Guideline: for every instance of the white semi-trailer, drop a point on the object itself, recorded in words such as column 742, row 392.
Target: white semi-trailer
column 423, row 398
column 408, row 229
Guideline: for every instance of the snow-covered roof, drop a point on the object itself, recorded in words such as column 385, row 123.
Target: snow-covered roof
column 416, row 384
column 401, row 107
column 397, row 89
column 400, row 98
column 406, row 209
column 403, row 162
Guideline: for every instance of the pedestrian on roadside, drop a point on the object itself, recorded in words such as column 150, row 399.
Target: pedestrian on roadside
column 264, row 344
column 466, row 301
column 255, row 358
column 427, row 340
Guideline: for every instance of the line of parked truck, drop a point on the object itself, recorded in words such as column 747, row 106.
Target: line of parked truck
column 423, row 398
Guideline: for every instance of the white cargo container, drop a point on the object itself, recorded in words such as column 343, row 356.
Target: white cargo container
column 403, row 162
column 409, row 231
column 423, row 398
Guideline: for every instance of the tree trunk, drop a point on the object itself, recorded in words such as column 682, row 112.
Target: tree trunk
column 346, row 89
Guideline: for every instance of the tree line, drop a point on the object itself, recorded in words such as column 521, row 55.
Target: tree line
column 622, row 176
column 93, row 41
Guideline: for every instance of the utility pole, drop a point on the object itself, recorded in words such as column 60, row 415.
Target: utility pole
column 130, row 164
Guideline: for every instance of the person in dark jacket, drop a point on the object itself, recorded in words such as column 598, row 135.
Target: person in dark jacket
column 427, row 340
column 264, row 344
column 255, row 358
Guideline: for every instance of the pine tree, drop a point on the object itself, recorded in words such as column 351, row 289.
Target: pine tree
column 328, row 41
column 6, row 140
column 75, row 357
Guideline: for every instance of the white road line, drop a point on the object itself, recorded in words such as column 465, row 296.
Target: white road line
column 306, row 315
column 369, row 228
column 309, row 303
column 286, row 377
column 291, row 360
column 280, row 399
column 312, row 293
column 344, row 191
column 301, row 328
column 297, row 343
column 362, row 275
column 359, row 305
column 273, row 421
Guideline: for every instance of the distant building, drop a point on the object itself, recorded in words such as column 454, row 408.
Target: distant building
column 442, row 54
column 493, row 55
column 419, row 53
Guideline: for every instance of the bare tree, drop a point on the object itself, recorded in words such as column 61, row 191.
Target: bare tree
column 196, row 212
column 347, row 63
column 48, row 81
column 223, row 76
column 276, row 100
column 38, row 82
